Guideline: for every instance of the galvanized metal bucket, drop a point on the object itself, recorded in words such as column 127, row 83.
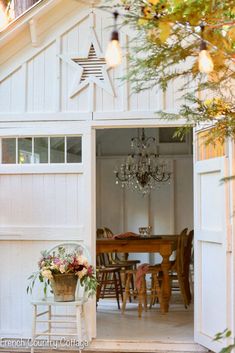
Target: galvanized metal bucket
column 64, row 287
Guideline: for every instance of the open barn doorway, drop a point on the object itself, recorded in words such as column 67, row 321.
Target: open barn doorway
column 166, row 208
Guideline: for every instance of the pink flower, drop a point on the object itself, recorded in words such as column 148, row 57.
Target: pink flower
column 90, row 271
column 56, row 261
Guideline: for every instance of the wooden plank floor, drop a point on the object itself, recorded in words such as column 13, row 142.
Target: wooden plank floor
column 154, row 332
column 175, row 326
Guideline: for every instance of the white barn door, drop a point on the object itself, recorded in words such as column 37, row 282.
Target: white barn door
column 42, row 205
column 212, row 228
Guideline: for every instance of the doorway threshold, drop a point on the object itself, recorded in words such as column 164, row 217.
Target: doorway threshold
column 103, row 345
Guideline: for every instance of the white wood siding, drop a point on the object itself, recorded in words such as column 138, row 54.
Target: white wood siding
column 12, row 92
column 39, row 80
column 37, row 212
column 39, row 204
column 16, row 312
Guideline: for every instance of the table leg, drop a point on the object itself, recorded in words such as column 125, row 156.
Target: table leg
column 166, row 285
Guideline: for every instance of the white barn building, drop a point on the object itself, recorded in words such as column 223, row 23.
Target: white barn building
column 62, row 132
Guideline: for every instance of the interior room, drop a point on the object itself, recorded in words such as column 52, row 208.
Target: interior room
column 163, row 208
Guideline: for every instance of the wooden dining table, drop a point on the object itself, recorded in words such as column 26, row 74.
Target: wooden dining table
column 162, row 244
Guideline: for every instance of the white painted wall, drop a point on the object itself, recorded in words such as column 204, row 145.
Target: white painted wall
column 168, row 209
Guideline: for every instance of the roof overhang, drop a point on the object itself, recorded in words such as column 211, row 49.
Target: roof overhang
column 33, row 13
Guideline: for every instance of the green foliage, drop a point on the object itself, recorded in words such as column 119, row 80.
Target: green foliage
column 90, row 286
column 223, row 335
column 166, row 48
column 33, row 278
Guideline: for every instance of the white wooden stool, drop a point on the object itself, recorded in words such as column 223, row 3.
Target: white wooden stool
column 50, row 319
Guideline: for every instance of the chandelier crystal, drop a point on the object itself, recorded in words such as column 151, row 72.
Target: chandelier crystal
column 142, row 170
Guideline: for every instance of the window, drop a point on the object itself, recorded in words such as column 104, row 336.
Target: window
column 25, row 154
column 9, row 151
column 57, row 151
column 39, row 150
column 74, row 149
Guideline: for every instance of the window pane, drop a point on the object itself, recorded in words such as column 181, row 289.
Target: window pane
column 25, row 150
column 57, row 149
column 40, row 150
column 9, row 151
column 74, row 149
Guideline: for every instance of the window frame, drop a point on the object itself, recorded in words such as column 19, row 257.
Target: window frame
column 31, row 168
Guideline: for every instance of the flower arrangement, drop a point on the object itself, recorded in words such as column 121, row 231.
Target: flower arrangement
column 62, row 262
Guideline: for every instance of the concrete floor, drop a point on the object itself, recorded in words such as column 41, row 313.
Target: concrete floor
column 176, row 326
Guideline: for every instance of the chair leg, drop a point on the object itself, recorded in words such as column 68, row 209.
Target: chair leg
column 120, row 285
column 182, row 290
column 126, row 293
column 191, row 282
column 152, row 293
column 99, row 287
column 116, row 288
column 187, row 285
column 158, row 291
column 145, row 294
column 34, row 327
column 133, row 288
column 105, row 280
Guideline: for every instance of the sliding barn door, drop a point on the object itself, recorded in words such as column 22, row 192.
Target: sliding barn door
column 212, row 232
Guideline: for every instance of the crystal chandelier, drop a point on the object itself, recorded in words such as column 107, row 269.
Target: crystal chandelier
column 142, row 170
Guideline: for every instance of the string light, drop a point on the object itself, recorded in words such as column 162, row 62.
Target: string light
column 205, row 62
column 3, row 17
column 113, row 54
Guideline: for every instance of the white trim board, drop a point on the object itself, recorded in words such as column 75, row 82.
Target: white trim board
column 128, row 122
column 44, row 116
column 41, row 233
column 41, row 168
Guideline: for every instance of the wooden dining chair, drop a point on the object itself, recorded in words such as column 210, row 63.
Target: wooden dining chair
column 186, row 264
column 180, row 269
column 115, row 258
column 176, row 262
column 143, row 294
column 109, row 284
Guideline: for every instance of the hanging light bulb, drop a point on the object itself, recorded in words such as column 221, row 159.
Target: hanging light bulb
column 113, row 55
column 205, row 61
column 3, row 17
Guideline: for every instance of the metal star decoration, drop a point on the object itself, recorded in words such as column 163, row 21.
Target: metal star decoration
column 90, row 67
